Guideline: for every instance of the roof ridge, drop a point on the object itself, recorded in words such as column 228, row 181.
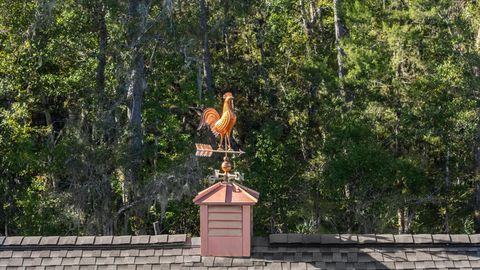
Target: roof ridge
column 98, row 241
column 378, row 239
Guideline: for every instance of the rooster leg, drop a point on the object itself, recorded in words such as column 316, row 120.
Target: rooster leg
column 220, row 145
column 228, row 142
column 229, row 147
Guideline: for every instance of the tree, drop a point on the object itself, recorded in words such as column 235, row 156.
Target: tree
column 207, row 66
column 390, row 146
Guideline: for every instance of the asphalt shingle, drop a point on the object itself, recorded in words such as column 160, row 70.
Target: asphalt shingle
column 51, row 261
column 177, row 238
column 441, row 238
column 129, row 252
column 85, row 240
column 147, row 252
column 103, row 240
column 105, row 260
column 49, row 240
column 348, row 238
column 156, row 239
column 278, row 238
column 172, row 252
column 58, row 253
column 385, row 238
column 71, row 261
column 460, row 238
column 6, row 253
column 167, row 259
column 292, row 251
column 15, row 262
column 110, row 253
column 330, row 238
column 13, row 241
column 31, row 240
column 474, row 238
column 74, row 253
column 40, row 253
column 141, row 239
column 422, row 239
column 91, row 253
column 67, row 240
column 32, row 262
column 403, row 238
column 127, row 239
column 366, row 238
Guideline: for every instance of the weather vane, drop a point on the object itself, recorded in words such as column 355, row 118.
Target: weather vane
column 221, row 125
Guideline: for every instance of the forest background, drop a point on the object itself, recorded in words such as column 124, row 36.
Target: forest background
column 356, row 116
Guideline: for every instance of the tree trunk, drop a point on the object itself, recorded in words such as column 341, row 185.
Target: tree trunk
column 105, row 211
column 477, row 175
column 6, row 200
column 225, row 26
column 207, row 66
column 136, row 85
column 102, row 47
column 477, row 41
column 317, row 16
column 350, row 211
column 199, row 80
column 401, row 220
column 102, row 61
column 307, row 26
column 447, row 190
column 310, row 17
column 272, row 219
column 105, row 114
column 477, row 149
column 49, row 123
column 339, row 34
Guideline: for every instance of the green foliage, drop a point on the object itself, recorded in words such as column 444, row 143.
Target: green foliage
column 394, row 154
column 41, row 213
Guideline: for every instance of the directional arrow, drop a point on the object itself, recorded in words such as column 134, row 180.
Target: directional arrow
column 206, row 150
column 203, row 150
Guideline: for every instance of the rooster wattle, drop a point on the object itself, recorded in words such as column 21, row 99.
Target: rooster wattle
column 221, row 125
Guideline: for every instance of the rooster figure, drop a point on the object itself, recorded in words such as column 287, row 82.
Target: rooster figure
column 221, row 125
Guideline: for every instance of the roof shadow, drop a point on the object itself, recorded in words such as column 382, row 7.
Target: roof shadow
column 368, row 251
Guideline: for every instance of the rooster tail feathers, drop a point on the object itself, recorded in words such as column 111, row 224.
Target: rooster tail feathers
column 209, row 116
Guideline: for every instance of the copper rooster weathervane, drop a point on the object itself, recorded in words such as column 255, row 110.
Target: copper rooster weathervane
column 221, row 125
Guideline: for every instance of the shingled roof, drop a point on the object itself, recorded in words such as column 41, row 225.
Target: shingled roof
column 280, row 251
